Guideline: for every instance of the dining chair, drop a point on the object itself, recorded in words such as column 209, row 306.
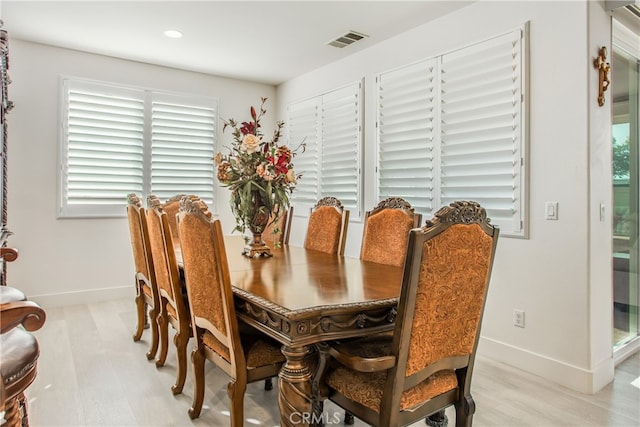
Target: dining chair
column 245, row 356
column 427, row 363
column 171, row 207
column 276, row 233
column 327, row 226
column 147, row 299
column 173, row 305
column 386, row 231
column 19, row 352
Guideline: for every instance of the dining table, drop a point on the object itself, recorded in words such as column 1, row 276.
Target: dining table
column 302, row 298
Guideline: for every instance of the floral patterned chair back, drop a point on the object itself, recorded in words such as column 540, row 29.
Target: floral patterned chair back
column 243, row 357
column 173, row 306
column 145, row 278
column 327, row 226
column 427, row 364
column 386, row 231
column 171, row 206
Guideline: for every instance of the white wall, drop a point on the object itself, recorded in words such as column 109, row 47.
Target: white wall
column 561, row 275
column 63, row 261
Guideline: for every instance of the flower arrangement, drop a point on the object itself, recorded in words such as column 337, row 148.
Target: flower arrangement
column 258, row 172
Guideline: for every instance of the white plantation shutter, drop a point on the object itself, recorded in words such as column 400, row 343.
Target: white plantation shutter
column 481, row 128
column 303, row 126
column 103, row 156
column 118, row 140
column 330, row 124
column 452, row 128
column 340, row 166
column 182, row 147
column 407, row 100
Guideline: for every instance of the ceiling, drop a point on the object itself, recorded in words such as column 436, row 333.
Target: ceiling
column 263, row 41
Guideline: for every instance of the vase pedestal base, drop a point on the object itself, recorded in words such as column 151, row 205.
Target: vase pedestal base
column 257, row 247
column 253, row 251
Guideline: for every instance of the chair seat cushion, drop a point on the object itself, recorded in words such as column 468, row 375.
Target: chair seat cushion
column 261, row 352
column 19, row 353
column 9, row 294
column 258, row 350
column 366, row 388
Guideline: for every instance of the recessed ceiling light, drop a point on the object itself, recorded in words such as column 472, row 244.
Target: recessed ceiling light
column 174, row 34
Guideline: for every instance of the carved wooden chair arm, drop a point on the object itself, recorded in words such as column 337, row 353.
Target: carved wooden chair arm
column 9, row 254
column 26, row 313
column 349, row 355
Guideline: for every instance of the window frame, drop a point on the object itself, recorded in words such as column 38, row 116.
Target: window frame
column 144, row 95
column 518, row 225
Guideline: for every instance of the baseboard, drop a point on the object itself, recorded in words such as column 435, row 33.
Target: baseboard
column 83, row 297
column 573, row 377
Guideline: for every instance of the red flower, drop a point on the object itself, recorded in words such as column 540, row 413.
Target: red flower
column 282, row 166
column 248, row 128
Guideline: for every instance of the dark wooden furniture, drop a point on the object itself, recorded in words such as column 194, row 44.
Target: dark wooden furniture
column 173, row 307
column 147, row 299
column 426, row 365
column 327, row 226
column 6, row 254
column 302, row 297
column 245, row 356
column 19, row 353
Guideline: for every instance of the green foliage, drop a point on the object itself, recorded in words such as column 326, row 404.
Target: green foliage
column 621, row 158
column 259, row 173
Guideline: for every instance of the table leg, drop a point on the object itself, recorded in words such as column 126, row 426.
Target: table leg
column 296, row 400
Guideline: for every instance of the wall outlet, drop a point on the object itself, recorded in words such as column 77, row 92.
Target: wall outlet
column 518, row 318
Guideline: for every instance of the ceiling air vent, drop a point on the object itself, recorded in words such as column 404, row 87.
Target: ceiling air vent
column 347, row 39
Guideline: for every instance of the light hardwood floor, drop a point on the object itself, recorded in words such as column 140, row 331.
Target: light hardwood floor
column 91, row 373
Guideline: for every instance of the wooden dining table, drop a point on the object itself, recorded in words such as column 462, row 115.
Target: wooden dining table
column 303, row 297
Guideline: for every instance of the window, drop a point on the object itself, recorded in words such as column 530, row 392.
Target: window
column 452, row 128
column 119, row 140
column 330, row 125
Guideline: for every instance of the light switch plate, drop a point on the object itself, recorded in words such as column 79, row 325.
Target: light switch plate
column 551, row 210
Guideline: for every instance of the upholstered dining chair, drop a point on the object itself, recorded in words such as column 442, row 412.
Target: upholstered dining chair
column 277, row 232
column 327, row 226
column 173, row 306
column 147, row 299
column 244, row 356
column 386, row 231
column 426, row 365
column 19, row 352
column 171, row 207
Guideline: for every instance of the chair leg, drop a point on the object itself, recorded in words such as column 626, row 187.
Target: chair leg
column 439, row 419
column 465, row 408
column 236, row 391
column 268, row 384
column 197, row 359
column 181, row 340
column 141, row 314
column 22, row 400
column 163, row 336
column 153, row 314
column 348, row 418
column 12, row 414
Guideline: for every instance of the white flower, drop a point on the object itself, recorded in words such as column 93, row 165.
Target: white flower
column 250, row 143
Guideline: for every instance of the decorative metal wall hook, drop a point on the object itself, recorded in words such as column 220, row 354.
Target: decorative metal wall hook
column 601, row 64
